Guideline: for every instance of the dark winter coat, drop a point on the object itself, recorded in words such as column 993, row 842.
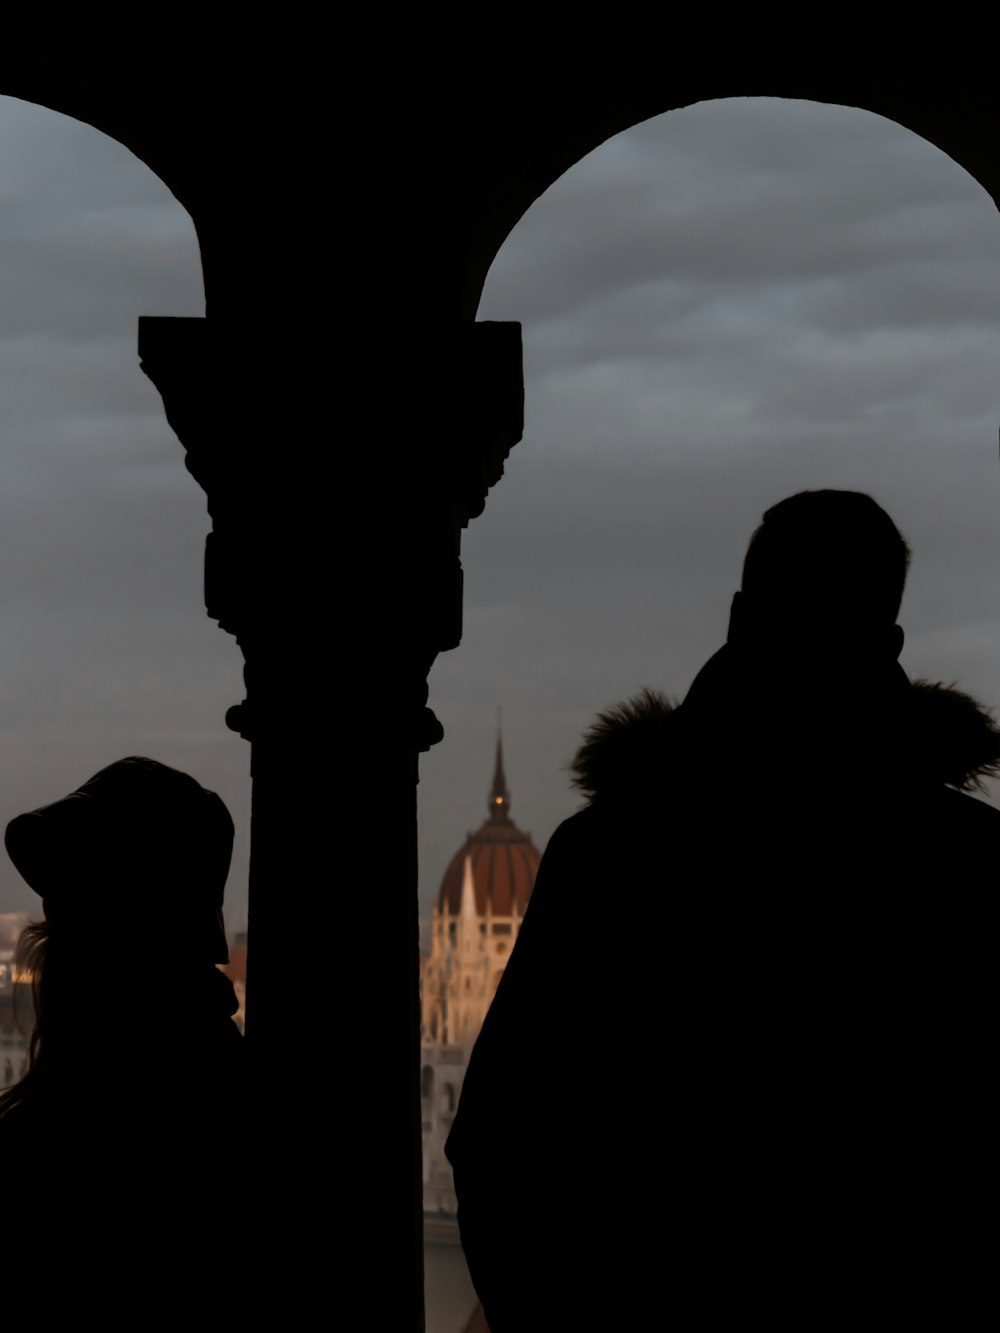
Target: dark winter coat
column 740, row 1062
column 124, row 1169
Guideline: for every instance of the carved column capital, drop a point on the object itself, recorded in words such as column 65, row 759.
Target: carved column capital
column 176, row 354
column 182, row 359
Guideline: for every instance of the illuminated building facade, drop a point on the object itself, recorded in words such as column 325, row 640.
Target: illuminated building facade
column 15, row 1005
column 477, row 915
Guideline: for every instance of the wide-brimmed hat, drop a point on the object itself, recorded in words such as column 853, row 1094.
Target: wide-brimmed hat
column 139, row 842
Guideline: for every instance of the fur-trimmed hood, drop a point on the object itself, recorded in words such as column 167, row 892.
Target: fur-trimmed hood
column 955, row 739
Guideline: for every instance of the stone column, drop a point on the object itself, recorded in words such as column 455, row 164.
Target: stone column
column 335, row 562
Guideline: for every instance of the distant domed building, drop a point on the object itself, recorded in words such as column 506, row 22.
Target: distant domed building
column 477, row 915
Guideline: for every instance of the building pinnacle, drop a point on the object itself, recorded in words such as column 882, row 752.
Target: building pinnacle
column 499, row 801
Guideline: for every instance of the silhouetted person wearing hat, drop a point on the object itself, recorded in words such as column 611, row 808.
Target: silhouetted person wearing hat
column 739, row 1066
column 119, row 1165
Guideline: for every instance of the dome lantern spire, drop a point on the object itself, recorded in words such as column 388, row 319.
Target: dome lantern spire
column 502, row 861
column 499, row 800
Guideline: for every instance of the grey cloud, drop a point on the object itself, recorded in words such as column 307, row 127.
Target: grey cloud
column 107, row 648
column 673, row 206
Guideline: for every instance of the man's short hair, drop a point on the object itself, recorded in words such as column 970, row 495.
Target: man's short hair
column 827, row 554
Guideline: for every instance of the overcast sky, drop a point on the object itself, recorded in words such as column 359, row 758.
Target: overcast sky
column 720, row 307
column 107, row 649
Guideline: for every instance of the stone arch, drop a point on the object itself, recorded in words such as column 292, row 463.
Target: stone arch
column 965, row 139
column 83, row 96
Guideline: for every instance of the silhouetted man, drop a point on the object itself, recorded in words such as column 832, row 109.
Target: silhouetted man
column 740, row 1062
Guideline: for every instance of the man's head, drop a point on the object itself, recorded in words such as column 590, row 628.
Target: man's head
column 823, row 577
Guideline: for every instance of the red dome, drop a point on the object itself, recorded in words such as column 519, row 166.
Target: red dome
column 504, row 860
column 504, row 865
